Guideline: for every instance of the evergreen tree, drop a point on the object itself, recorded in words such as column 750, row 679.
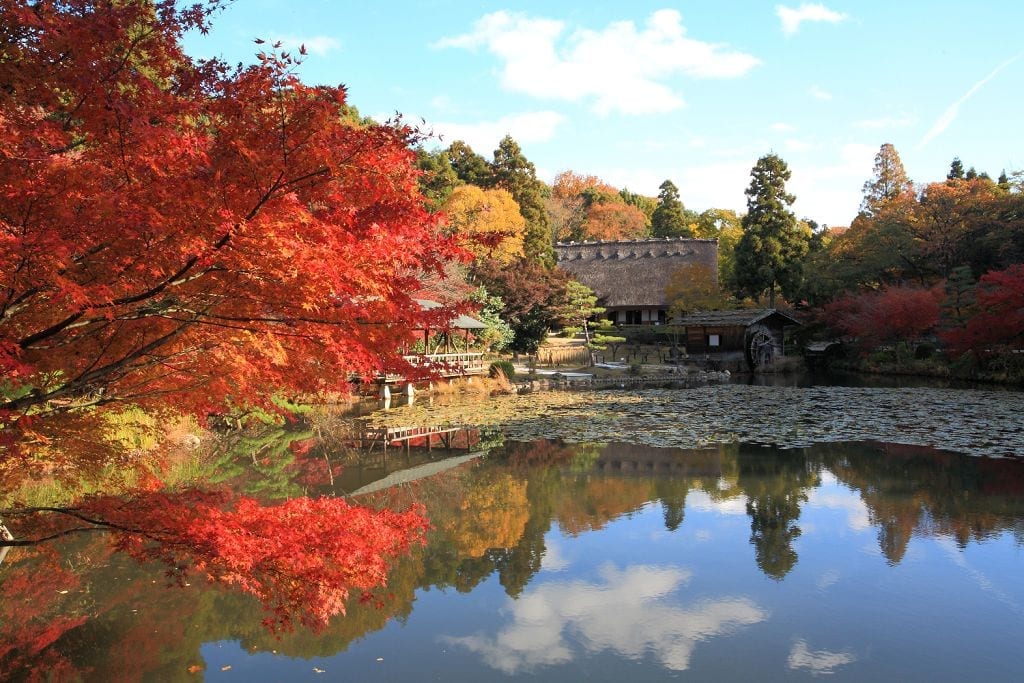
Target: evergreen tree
column 1004, row 181
column 470, row 167
column 770, row 252
column 888, row 181
column 956, row 170
column 668, row 219
column 511, row 171
column 438, row 178
column 645, row 204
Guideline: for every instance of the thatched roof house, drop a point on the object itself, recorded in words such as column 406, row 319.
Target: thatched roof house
column 753, row 335
column 630, row 277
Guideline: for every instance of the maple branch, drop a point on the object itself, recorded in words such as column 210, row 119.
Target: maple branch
column 84, row 381
column 18, row 543
column 8, row 540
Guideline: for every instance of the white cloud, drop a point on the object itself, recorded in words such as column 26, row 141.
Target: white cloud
column 819, row 94
column 827, row 580
column 858, row 517
column 949, row 116
column 553, row 560
column 484, row 136
column 829, row 191
column 699, row 500
column 627, row 612
column 817, row 661
column 782, row 127
column 315, row 45
column 618, row 68
column 810, row 12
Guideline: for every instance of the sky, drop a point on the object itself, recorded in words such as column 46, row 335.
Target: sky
column 694, row 92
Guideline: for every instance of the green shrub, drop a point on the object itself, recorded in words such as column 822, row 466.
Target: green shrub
column 505, row 367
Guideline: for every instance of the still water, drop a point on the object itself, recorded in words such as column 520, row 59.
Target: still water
column 551, row 561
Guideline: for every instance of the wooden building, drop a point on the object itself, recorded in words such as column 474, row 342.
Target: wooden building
column 629, row 277
column 752, row 336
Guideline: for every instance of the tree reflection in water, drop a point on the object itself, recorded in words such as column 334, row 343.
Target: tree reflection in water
column 69, row 606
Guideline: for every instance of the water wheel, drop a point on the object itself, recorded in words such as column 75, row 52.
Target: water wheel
column 759, row 348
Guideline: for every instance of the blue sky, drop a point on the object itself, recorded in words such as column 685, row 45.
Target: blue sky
column 637, row 92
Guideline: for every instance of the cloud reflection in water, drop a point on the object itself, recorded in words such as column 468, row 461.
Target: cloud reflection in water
column 625, row 612
column 817, row 661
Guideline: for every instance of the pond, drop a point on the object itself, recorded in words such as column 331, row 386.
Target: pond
column 611, row 536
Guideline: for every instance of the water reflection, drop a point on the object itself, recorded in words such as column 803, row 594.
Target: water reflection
column 598, row 550
column 817, row 661
column 631, row 611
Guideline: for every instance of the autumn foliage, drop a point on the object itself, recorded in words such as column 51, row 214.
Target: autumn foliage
column 488, row 221
column 300, row 558
column 998, row 324
column 888, row 315
column 172, row 225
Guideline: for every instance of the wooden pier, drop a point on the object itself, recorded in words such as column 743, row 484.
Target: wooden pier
column 403, row 438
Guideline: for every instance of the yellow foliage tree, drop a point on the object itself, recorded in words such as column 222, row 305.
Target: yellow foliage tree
column 488, row 220
column 694, row 287
column 490, row 515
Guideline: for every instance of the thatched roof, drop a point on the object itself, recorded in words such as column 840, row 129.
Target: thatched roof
column 741, row 318
column 633, row 273
column 461, row 322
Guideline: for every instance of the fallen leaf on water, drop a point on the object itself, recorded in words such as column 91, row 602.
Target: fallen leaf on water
column 225, row 667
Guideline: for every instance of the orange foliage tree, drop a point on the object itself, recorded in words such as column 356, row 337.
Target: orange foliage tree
column 587, row 208
column 173, row 225
column 615, row 221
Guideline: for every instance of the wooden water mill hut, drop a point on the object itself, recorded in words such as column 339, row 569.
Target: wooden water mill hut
column 752, row 336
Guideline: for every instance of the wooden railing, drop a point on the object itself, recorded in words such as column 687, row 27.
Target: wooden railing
column 447, row 364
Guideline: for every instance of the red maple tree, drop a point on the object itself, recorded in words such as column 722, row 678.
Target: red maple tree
column 171, row 225
column 891, row 314
column 301, row 558
column 998, row 323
